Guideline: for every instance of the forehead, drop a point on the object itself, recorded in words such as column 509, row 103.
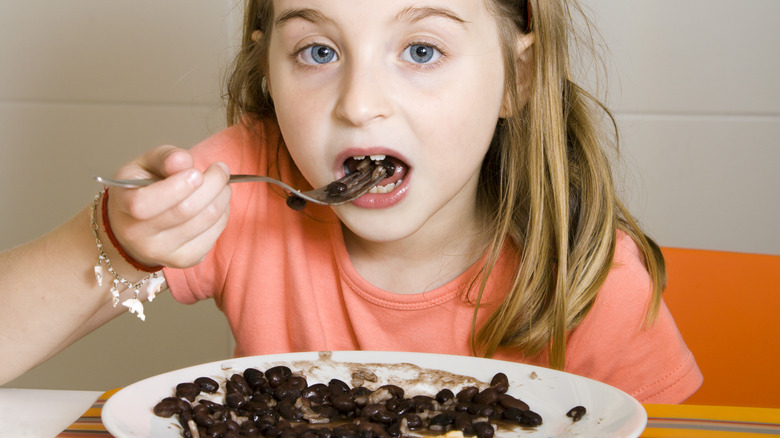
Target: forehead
column 467, row 13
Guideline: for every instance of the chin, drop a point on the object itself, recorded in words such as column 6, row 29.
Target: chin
column 378, row 226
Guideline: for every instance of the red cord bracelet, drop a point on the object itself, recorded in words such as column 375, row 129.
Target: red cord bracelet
column 117, row 246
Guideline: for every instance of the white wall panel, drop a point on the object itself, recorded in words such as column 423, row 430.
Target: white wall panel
column 120, row 50
column 705, row 182
column 701, row 56
column 48, row 152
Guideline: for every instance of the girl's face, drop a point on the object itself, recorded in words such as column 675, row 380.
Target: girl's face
column 418, row 82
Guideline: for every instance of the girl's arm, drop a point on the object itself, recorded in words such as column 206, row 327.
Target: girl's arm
column 48, row 291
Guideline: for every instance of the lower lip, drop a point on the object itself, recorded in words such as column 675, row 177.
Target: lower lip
column 384, row 200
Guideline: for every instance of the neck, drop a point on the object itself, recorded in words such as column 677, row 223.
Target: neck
column 430, row 258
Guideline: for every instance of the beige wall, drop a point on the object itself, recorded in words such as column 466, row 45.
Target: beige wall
column 85, row 85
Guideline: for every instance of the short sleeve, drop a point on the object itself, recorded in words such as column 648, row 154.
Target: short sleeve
column 615, row 344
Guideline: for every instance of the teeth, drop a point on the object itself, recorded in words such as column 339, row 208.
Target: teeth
column 378, row 157
column 358, row 157
column 384, row 189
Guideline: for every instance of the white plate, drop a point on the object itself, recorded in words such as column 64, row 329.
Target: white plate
column 610, row 412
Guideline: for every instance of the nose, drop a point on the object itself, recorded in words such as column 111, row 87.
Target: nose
column 363, row 95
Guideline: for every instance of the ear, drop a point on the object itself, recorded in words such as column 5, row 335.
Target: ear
column 257, row 35
column 524, row 56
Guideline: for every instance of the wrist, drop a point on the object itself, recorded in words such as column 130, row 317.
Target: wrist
column 117, row 246
column 153, row 282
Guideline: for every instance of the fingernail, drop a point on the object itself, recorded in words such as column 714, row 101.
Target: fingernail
column 224, row 167
column 194, row 178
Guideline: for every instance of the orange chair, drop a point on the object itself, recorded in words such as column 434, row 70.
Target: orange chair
column 727, row 307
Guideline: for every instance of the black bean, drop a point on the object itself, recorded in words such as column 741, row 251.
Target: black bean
column 463, row 423
column 462, row 406
column 254, row 377
column 475, row 408
column 235, row 400
column 249, row 427
column 487, row 397
column 444, row 395
column 576, row 413
column 389, row 168
column 513, row 414
column 336, row 188
column 166, row 408
column 508, row 401
column 487, row 411
column 277, row 375
column 500, row 383
column 343, row 402
column 329, row 412
column 184, row 419
column 207, row 384
column 232, row 425
column 531, row 419
column 201, row 409
column 290, row 412
column 286, row 392
column 441, row 421
column 382, row 415
column 296, row 203
column 413, row 421
column 204, row 420
column 466, row 394
column 297, row 382
column 217, row 430
column 187, row 390
column 524, row 418
column 241, row 384
column 400, row 406
column 483, row 429
column 337, row 387
column 360, row 395
column 395, row 390
column 423, row 403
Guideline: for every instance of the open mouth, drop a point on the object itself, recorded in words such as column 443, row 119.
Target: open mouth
column 394, row 167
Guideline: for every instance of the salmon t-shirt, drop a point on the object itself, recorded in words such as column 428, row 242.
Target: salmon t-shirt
column 285, row 282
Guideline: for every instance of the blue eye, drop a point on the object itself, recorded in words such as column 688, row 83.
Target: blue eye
column 318, row 54
column 421, row 54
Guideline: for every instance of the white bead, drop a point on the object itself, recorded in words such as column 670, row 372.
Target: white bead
column 99, row 274
column 135, row 306
column 154, row 287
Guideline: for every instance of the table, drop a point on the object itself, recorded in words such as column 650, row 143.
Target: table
column 76, row 414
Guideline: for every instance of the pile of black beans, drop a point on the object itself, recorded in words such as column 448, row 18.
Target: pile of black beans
column 278, row 403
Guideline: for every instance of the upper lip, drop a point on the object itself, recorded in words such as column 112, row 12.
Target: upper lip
column 364, row 151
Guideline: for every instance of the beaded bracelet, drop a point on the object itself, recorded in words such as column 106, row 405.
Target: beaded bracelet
column 154, row 281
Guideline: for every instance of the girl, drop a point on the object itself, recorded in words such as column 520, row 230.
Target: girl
column 498, row 235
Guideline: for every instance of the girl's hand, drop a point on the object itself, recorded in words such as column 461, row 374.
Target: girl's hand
column 175, row 221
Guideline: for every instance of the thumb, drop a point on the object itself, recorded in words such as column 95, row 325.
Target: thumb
column 160, row 162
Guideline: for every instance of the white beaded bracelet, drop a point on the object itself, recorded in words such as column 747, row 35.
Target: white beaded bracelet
column 154, row 282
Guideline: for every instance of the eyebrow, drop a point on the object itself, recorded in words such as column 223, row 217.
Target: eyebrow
column 308, row 14
column 410, row 15
column 414, row 15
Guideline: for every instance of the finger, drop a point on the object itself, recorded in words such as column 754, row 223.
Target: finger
column 160, row 162
column 199, row 236
column 214, row 182
column 156, row 221
column 153, row 200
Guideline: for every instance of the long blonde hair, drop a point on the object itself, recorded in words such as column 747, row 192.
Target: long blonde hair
column 546, row 182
